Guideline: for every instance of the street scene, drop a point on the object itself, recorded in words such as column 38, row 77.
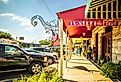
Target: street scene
column 60, row 41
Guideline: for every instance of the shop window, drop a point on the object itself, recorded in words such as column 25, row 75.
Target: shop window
column 88, row 15
column 114, row 14
column 93, row 14
column 109, row 7
column 104, row 7
column 104, row 14
column 119, row 5
column 119, row 14
column 109, row 15
column 114, row 6
column 99, row 14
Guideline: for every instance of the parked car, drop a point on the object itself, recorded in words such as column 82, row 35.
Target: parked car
column 51, row 57
column 13, row 58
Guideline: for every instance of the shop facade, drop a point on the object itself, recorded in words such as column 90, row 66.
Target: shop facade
column 107, row 39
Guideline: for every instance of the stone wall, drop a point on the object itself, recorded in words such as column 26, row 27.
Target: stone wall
column 116, row 44
column 100, row 31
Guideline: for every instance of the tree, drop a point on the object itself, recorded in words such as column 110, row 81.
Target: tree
column 44, row 42
column 5, row 35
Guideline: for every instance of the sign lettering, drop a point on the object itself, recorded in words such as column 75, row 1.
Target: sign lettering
column 95, row 22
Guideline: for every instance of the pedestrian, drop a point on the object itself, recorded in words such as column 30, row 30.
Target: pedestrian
column 94, row 53
column 89, row 51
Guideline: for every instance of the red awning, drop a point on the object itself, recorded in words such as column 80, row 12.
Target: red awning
column 72, row 15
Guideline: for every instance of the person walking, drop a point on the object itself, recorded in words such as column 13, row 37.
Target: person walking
column 89, row 51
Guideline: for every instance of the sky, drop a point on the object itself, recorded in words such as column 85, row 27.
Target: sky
column 15, row 16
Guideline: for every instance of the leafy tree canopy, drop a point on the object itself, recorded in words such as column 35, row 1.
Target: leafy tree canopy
column 44, row 42
column 5, row 35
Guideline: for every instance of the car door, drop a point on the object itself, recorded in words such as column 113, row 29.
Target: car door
column 15, row 56
column 1, row 54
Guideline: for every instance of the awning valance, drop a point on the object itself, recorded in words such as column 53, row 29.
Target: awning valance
column 72, row 15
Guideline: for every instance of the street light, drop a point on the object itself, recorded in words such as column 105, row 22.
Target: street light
column 51, row 26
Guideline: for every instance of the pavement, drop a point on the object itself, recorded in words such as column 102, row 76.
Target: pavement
column 79, row 69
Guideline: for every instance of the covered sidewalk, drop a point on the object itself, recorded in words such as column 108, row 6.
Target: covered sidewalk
column 79, row 69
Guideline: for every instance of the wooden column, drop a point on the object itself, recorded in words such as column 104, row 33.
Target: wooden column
column 106, row 11
column 116, row 8
column 61, row 48
column 66, row 48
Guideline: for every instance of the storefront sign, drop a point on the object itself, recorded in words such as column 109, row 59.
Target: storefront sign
column 94, row 22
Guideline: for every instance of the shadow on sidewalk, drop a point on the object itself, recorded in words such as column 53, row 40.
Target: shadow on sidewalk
column 80, row 63
column 82, row 68
column 66, row 80
column 79, row 59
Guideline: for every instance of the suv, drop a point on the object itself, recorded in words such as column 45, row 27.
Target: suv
column 13, row 58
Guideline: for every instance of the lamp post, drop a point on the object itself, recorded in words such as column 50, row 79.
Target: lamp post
column 51, row 26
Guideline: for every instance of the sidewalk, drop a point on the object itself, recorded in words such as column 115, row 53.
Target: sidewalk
column 79, row 69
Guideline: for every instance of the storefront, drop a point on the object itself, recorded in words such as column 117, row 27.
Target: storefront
column 106, row 38
column 100, row 23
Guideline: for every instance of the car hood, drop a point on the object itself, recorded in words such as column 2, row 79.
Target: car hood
column 32, row 53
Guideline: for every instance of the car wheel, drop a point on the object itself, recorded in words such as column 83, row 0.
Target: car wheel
column 35, row 67
column 50, row 60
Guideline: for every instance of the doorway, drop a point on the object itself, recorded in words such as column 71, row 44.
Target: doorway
column 107, row 44
column 96, row 46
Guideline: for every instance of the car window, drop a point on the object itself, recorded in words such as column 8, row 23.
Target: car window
column 11, row 50
column 1, row 50
column 46, row 50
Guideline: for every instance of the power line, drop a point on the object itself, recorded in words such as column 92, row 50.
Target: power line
column 48, row 8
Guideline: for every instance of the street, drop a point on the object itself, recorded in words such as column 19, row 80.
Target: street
column 6, row 77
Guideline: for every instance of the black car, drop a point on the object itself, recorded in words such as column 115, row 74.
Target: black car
column 13, row 58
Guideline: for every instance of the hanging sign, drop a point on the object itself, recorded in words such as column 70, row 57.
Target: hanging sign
column 94, row 22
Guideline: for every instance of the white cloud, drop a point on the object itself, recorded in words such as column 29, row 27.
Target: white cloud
column 22, row 20
column 4, row 30
column 5, row 1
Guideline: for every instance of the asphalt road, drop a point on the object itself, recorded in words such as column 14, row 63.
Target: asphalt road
column 8, row 76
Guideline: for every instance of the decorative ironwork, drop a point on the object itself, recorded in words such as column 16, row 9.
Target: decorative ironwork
column 49, row 26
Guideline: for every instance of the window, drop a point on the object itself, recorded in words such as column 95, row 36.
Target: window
column 119, row 14
column 114, row 14
column 10, row 50
column 1, row 50
column 94, row 9
column 104, row 14
column 93, row 14
column 99, row 14
column 88, row 16
column 99, row 8
column 109, row 7
column 119, row 5
column 114, row 6
column 104, row 7
column 109, row 15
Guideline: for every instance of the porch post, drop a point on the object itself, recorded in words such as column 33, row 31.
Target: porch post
column 66, row 48
column 61, row 48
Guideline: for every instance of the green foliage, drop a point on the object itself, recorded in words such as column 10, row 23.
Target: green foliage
column 111, row 70
column 47, row 75
column 44, row 42
column 5, row 35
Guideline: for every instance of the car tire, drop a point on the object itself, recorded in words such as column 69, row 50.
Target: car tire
column 35, row 67
column 50, row 60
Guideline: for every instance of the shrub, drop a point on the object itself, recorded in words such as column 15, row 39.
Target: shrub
column 47, row 75
column 111, row 70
